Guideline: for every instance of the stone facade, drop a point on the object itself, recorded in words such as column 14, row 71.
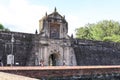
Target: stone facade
column 53, row 47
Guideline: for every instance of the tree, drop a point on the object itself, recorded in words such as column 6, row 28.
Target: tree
column 104, row 31
column 3, row 28
column 84, row 32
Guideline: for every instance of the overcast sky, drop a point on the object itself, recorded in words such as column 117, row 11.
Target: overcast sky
column 24, row 15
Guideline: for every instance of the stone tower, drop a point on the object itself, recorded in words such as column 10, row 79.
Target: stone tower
column 53, row 45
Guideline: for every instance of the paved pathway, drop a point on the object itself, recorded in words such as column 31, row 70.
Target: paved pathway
column 7, row 76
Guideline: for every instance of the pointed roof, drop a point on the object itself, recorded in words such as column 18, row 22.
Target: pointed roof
column 55, row 9
column 53, row 16
column 55, row 13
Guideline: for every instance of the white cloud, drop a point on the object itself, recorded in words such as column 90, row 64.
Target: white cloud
column 22, row 15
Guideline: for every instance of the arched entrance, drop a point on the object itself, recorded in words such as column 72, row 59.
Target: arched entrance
column 53, row 60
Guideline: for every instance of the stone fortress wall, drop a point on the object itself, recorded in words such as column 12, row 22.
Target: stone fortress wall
column 22, row 47
column 87, row 52
column 97, row 52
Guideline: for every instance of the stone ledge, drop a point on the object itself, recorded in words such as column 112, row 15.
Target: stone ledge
column 56, row 67
column 60, row 71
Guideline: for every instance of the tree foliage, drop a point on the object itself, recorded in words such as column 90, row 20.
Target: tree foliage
column 3, row 28
column 106, row 30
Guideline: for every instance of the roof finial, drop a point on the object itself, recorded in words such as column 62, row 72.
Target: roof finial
column 46, row 14
column 55, row 10
column 64, row 16
column 36, row 32
column 71, row 35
